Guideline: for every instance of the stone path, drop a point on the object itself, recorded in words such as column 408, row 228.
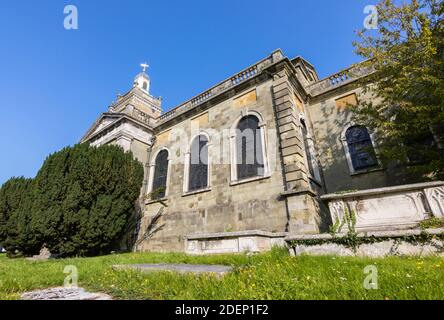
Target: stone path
column 62, row 293
column 180, row 268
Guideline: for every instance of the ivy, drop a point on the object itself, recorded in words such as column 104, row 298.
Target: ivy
column 353, row 240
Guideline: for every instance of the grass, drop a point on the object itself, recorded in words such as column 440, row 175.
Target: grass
column 274, row 275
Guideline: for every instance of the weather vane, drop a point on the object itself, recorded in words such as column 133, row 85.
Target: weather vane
column 144, row 66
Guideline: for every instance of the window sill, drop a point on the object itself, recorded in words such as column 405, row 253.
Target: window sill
column 191, row 193
column 248, row 180
column 360, row 172
column 315, row 181
column 156, row 200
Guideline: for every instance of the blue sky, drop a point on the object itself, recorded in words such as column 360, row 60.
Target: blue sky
column 54, row 83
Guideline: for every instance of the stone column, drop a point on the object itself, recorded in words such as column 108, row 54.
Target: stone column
column 303, row 208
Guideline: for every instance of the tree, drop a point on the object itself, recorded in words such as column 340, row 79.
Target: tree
column 406, row 54
column 85, row 197
column 17, row 233
column 79, row 203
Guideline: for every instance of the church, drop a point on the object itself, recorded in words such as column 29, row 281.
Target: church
column 269, row 153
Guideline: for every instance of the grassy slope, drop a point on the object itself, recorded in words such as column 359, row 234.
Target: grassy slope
column 273, row 275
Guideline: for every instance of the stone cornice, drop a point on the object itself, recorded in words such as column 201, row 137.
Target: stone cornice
column 262, row 71
column 120, row 117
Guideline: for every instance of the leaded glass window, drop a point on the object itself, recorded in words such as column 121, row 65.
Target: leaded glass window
column 309, row 156
column 160, row 175
column 360, row 148
column 198, row 176
column 250, row 162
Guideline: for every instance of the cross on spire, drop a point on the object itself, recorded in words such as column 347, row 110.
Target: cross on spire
column 144, row 66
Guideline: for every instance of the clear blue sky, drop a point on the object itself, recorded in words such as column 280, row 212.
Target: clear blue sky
column 54, row 83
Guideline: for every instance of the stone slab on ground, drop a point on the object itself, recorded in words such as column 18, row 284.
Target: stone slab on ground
column 62, row 293
column 179, row 268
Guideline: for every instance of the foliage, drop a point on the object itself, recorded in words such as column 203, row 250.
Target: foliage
column 406, row 108
column 153, row 227
column 17, row 233
column 79, row 203
column 353, row 240
column 432, row 223
column 349, row 218
column 273, row 275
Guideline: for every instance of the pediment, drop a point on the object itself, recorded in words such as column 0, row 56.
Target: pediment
column 104, row 121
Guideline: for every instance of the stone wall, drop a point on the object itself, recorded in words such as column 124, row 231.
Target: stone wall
column 226, row 205
column 331, row 116
column 371, row 244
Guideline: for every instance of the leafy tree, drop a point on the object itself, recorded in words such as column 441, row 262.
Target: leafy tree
column 407, row 85
column 85, row 197
column 17, row 233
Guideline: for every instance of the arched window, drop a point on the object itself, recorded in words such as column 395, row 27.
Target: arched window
column 160, row 175
column 249, row 148
column 309, row 156
column 198, row 175
column 360, row 148
column 145, row 85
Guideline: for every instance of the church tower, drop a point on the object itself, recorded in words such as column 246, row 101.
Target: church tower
column 138, row 101
column 130, row 120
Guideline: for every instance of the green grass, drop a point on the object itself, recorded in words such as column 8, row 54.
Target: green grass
column 273, row 275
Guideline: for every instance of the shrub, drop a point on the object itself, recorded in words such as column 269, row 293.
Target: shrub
column 85, row 197
column 17, row 233
column 78, row 204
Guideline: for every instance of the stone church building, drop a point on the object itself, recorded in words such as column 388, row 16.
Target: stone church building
column 268, row 153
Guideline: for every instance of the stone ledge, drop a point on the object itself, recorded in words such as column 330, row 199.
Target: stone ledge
column 237, row 234
column 178, row 268
column 376, row 234
column 380, row 191
column 192, row 193
column 248, row 180
column 298, row 192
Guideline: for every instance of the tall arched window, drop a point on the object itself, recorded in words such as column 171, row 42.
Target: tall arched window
column 308, row 154
column 249, row 148
column 198, row 175
column 360, row 148
column 160, row 175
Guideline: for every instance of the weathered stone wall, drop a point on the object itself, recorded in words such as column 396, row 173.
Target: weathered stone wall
column 304, row 213
column 330, row 116
column 225, row 206
column 371, row 244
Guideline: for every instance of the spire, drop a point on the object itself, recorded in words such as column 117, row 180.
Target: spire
column 142, row 80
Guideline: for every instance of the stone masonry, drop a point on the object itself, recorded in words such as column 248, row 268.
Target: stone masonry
column 302, row 123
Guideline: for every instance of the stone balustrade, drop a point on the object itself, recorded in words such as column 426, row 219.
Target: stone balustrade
column 223, row 86
column 341, row 78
